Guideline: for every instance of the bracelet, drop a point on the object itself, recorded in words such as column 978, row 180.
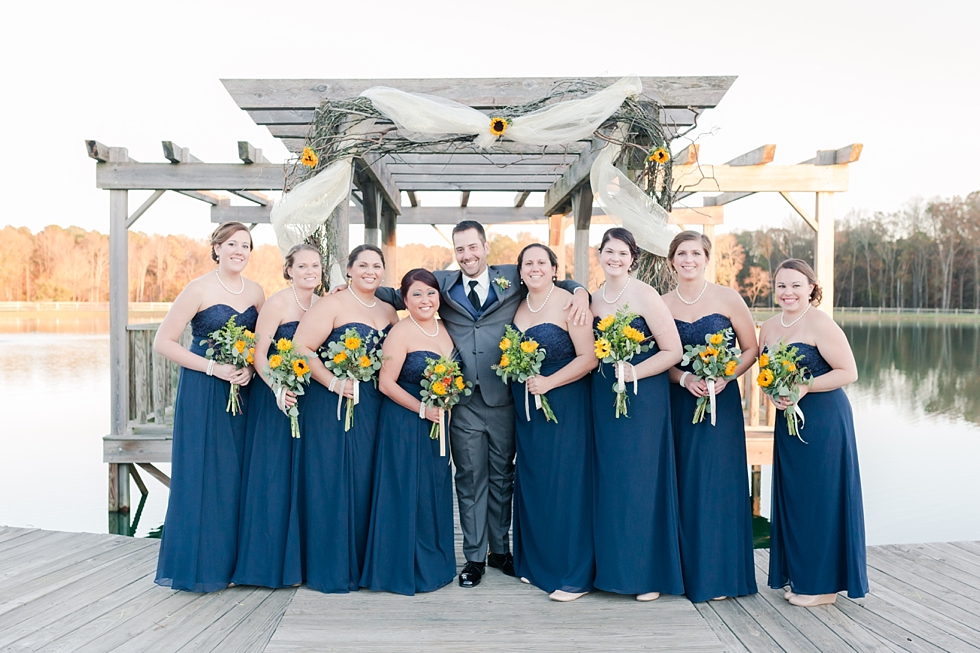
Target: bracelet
column 422, row 410
column 683, row 376
column 333, row 382
column 210, row 370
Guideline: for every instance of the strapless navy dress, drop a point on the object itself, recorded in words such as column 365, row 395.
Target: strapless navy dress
column 712, row 485
column 268, row 533
column 335, row 484
column 636, row 522
column 410, row 542
column 817, row 529
column 200, row 534
column 553, row 479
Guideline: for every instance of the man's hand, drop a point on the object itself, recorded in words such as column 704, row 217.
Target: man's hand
column 578, row 308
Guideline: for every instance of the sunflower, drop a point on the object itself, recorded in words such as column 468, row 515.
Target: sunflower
column 790, row 367
column 438, row 388
column 505, row 344
column 300, row 367
column 240, row 346
column 633, row 334
column 529, row 346
column 352, row 343
column 460, row 383
column 716, row 339
column 606, row 322
column 602, row 348
column 440, row 369
column 364, row 361
column 249, row 335
column 340, row 358
column 250, row 360
column 275, row 361
column 504, row 360
column 284, row 344
column 764, row 360
column 730, row 368
column 659, row 155
column 309, row 158
column 498, row 126
column 765, row 378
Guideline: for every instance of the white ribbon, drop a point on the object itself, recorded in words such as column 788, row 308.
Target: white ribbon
column 280, row 392
column 799, row 413
column 711, row 399
column 621, row 375
column 527, row 401
column 357, row 394
column 442, row 432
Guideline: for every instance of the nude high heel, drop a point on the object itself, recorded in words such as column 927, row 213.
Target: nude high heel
column 812, row 600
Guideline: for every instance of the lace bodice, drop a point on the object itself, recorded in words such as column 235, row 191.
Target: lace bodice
column 363, row 330
column 285, row 330
column 214, row 317
column 693, row 333
column 812, row 359
column 556, row 342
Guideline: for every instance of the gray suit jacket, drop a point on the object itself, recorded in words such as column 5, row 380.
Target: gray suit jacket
column 478, row 340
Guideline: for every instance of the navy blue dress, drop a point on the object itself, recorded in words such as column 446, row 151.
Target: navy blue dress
column 200, row 534
column 335, row 484
column 268, row 533
column 553, row 479
column 817, row 529
column 712, row 485
column 410, row 542
column 636, row 523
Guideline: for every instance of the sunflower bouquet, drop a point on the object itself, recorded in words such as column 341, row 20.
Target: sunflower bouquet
column 521, row 359
column 781, row 375
column 617, row 341
column 442, row 387
column 354, row 357
column 717, row 358
column 289, row 370
column 231, row 345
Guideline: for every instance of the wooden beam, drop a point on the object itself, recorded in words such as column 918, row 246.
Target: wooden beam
column 372, row 205
column 249, row 154
column 425, row 159
column 226, row 212
column 520, row 198
column 464, row 198
column 389, row 244
column 556, row 241
column 681, row 92
column 841, row 156
column 203, row 196
column 758, row 179
column 551, row 171
column 406, row 180
column 296, row 144
column 134, row 473
column 582, row 211
column 97, row 151
column 558, row 196
column 823, row 254
column 188, row 176
column 759, row 156
column 373, row 166
column 504, row 185
column 157, row 194
column 801, row 211
column 706, row 215
column 413, row 200
column 156, row 473
column 687, row 156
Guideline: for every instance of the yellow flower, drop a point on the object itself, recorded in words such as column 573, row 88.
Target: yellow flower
column 716, row 339
column 529, row 346
column 460, row 383
column 704, row 356
column 240, row 346
column 300, row 367
column 249, row 359
column 498, row 126
column 504, row 360
column 309, row 158
column 275, row 361
column 364, row 361
column 505, row 344
column 711, row 351
column 606, row 322
column 633, row 334
column 438, row 388
column 340, row 358
column 440, row 369
column 602, row 348
column 352, row 343
column 284, row 344
column 764, row 360
column 730, row 368
column 659, row 155
column 791, row 367
column 249, row 335
column 765, row 378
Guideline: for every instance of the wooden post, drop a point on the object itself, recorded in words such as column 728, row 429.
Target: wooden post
column 756, row 490
column 582, row 209
column 372, row 213
column 118, row 340
column 340, row 221
column 824, row 251
column 709, row 269
column 556, row 241
column 389, row 244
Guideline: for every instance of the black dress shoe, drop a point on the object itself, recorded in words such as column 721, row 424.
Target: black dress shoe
column 472, row 574
column 502, row 561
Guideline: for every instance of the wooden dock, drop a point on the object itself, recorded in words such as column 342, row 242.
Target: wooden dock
column 86, row 592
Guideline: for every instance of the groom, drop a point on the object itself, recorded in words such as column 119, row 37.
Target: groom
column 477, row 302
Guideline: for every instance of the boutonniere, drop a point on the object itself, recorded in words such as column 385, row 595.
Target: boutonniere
column 502, row 283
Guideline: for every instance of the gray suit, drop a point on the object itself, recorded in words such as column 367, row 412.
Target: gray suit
column 482, row 427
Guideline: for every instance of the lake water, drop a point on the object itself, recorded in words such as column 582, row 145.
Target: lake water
column 916, row 409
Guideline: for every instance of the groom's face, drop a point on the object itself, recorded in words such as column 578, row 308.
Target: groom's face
column 471, row 252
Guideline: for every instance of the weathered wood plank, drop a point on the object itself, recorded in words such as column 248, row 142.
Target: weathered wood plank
column 249, row 153
column 758, row 179
column 500, row 147
column 950, row 555
column 721, row 629
column 746, row 629
column 934, row 571
column 558, row 197
column 968, row 546
column 249, row 625
column 442, row 170
column 189, row 176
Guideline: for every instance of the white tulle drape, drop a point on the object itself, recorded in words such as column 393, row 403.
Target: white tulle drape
column 301, row 211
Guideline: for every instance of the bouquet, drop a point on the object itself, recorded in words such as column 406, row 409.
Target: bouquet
column 617, row 341
column 289, row 370
column 442, row 386
column 521, row 359
column 716, row 358
column 353, row 357
column 231, row 345
column 781, row 375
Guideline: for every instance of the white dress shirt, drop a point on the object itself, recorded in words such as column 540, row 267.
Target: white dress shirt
column 482, row 284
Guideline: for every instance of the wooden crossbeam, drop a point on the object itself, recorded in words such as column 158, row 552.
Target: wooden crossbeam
column 176, row 154
column 428, row 160
column 482, row 185
column 131, row 175
column 250, row 154
column 759, row 156
column 847, row 154
column 464, row 199
column 558, row 197
column 520, row 198
column 450, row 170
column 687, row 156
column 135, row 215
column 374, row 167
column 97, row 151
column 758, row 179
column 801, row 211
column 412, row 199
column 500, row 147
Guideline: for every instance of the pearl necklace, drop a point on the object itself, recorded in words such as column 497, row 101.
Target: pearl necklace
column 296, row 297
column 703, row 288
column 527, row 300
column 620, row 292
column 786, row 326
column 424, row 332
column 227, row 288
column 359, row 301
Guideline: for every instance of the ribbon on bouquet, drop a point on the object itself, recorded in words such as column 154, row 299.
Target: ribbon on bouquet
column 527, row 402
column 798, row 412
column 353, row 400
column 442, row 432
column 711, row 399
column 621, row 373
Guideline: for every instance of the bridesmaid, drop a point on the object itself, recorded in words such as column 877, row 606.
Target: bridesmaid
column 410, row 543
column 200, row 535
column 818, row 545
column 712, row 470
column 335, row 485
column 268, row 544
column 553, row 491
column 636, row 533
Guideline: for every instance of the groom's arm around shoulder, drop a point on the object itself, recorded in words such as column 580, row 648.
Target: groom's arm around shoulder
column 390, row 296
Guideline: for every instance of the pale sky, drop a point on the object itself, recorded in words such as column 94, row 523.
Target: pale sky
column 901, row 77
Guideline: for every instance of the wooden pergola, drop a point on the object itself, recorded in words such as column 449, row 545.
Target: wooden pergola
column 286, row 108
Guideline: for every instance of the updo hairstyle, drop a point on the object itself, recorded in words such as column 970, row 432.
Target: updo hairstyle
column 223, row 232
column 357, row 251
column 291, row 257
column 552, row 258
column 686, row 236
column 418, row 274
column 625, row 236
column 803, row 268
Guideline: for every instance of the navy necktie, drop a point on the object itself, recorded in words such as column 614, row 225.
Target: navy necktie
column 474, row 298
